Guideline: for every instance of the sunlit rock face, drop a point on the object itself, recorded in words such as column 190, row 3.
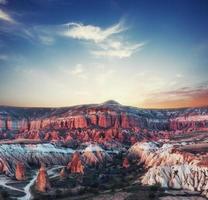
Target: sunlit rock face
column 99, row 122
column 171, row 167
column 20, row 171
column 42, row 183
column 93, row 154
column 191, row 177
column 52, row 136
column 75, row 165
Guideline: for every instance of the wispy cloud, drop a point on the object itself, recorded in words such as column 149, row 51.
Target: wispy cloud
column 121, row 51
column 101, row 42
column 6, row 17
column 190, row 92
column 105, row 42
column 90, row 32
column 181, row 97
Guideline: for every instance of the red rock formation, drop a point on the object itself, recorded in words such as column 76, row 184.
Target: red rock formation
column 4, row 167
column 125, row 163
column 42, row 181
column 104, row 120
column 117, row 123
column 124, row 121
column 52, row 136
column 75, row 165
column 101, row 122
column 68, row 137
column 20, row 171
column 80, row 121
column 1, row 167
column 93, row 119
column 33, row 134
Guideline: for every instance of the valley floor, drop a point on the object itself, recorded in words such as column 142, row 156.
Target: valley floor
column 111, row 181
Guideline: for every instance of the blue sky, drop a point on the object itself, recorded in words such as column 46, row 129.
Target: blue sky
column 141, row 53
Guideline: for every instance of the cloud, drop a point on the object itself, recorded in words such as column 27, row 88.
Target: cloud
column 106, row 42
column 90, row 32
column 6, row 17
column 119, row 51
column 3, row 2
column 188, row 92
column 181, row 97
column 101, row 42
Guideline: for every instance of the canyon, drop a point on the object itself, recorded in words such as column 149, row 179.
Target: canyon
column 55, row 152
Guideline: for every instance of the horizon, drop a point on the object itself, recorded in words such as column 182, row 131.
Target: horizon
column 75, row 105
column 145, row 54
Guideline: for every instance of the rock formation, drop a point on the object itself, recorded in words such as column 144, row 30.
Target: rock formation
column 20, row 171
column 170, row 167
column 100, row 123
column 185, row 176
column 64, row 172
column 42, row 183
column 80, row 122
column 93, row 154
column 75, row 165
column 5, row 167
column 49, row 154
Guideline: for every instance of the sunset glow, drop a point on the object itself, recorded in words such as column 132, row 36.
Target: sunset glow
column 63, row 53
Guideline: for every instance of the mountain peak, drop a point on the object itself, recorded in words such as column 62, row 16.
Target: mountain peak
column 111, row 102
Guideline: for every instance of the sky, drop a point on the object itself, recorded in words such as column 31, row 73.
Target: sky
column 144, row 53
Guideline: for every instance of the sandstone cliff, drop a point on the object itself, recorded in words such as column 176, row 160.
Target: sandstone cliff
column 107, row 118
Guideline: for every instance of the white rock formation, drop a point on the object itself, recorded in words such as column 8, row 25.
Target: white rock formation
column 93, row 154
column 171, row 168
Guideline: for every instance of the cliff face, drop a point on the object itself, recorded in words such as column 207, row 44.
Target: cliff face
column 100, row 123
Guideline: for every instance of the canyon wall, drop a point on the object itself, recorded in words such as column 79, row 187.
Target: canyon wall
column 104, row 118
